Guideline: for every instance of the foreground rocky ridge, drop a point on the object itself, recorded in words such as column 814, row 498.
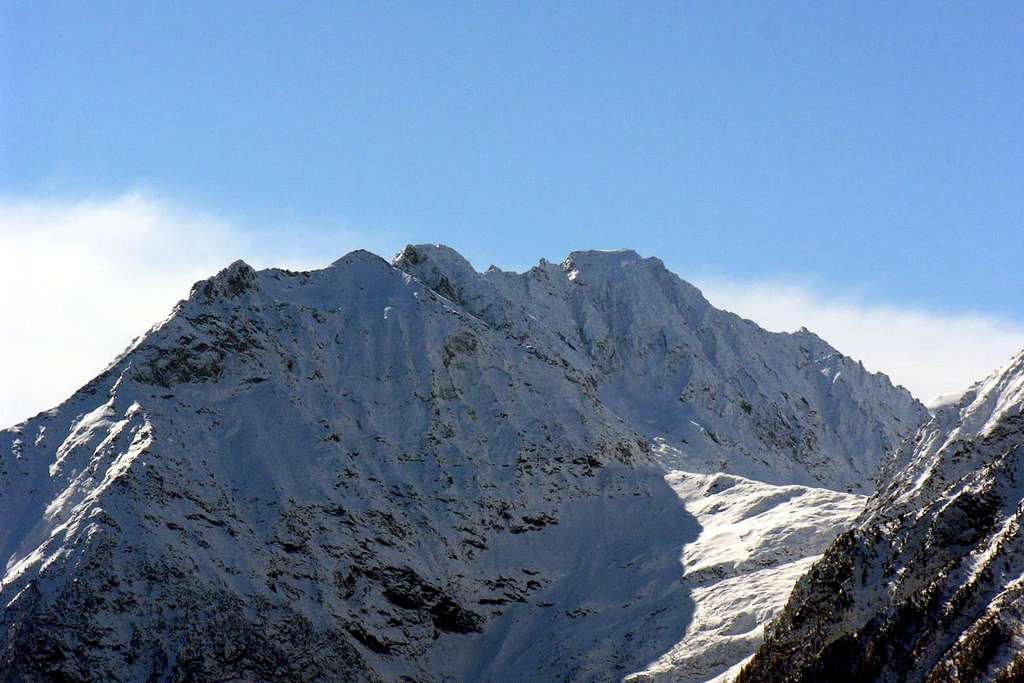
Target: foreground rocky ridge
column 928, row 584
column 369, row 472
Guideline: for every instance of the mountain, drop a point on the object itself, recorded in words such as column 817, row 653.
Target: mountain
column 927, row 586
column 718, row 391
column 409, row 471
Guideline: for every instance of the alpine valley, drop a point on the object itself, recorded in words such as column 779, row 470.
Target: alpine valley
column 414, row 471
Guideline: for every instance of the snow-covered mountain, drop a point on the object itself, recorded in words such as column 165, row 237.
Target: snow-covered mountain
column 929, row 584
column 727, row 395
column 382, row 471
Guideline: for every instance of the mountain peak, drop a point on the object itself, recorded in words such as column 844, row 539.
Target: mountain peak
column 441, row 254
column 599, row 263
column 439, row 267
column 615, row 255
column 358, row 255
column 233, row 281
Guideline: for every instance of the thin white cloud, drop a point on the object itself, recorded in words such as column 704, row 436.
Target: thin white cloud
column 80, row 279
column 928, row 352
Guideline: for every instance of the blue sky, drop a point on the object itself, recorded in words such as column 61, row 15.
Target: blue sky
column 867, row 151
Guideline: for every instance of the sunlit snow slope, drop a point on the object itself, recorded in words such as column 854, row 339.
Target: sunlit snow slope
column 755, row 541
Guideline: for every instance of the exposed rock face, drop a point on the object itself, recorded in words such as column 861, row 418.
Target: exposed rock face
column 371, row 472
column 928, row 585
